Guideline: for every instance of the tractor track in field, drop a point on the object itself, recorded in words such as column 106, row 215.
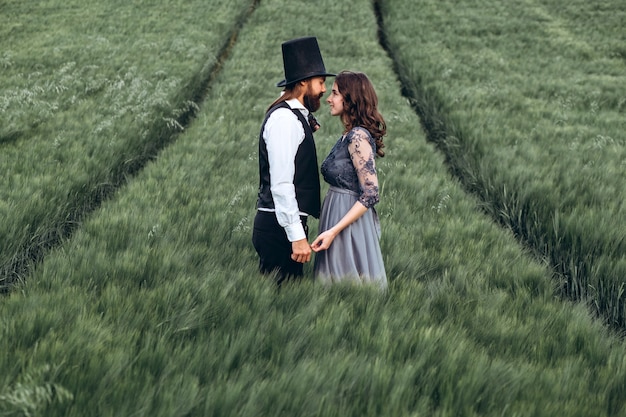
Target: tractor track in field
column 433, row 116
column 19, row 266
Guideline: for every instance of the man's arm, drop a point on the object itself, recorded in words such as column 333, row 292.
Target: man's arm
column 283, row 135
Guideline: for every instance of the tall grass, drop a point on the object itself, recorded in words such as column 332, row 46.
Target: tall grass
column 155, row 306
column 88, row 94
column 526, row 102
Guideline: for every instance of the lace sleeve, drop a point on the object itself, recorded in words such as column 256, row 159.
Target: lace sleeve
column 362, row 152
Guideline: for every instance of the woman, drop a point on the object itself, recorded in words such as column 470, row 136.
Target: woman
column 348, row 247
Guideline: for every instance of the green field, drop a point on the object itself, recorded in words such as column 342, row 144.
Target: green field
column 128, row 146
column 88, row 101
column 527, row 102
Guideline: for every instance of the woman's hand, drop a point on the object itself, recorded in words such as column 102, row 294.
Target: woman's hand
column 323, row 241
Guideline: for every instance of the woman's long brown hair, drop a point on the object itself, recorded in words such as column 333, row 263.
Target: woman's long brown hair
column 360, row 106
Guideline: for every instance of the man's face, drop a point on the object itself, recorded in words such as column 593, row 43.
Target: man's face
column 316, row 87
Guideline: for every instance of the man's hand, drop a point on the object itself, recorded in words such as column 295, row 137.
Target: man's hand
column 301, row 251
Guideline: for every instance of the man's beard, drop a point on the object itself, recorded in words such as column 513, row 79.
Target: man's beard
column 312, row 102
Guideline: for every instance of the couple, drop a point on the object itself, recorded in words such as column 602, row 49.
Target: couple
column 347, row 248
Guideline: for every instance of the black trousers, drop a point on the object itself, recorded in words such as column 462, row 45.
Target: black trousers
column 274, row 249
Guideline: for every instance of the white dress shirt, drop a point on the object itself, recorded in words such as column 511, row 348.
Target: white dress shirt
column 283, row 134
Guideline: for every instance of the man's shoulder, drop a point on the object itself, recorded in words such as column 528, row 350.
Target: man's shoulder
column 283, row 119
column 282, row 112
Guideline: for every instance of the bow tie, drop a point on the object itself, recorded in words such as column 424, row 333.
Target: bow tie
column 313, row 122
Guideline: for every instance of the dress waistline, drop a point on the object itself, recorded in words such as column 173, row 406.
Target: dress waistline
column 342, row 190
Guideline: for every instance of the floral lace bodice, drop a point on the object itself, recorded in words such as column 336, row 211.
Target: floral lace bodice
column 350, row 165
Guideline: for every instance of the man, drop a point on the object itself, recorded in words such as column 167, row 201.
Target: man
column 289, row 185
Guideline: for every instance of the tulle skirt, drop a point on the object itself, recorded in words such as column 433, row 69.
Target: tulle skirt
column 355, row 254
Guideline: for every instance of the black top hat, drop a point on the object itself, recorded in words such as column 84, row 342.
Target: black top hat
column 302, row 59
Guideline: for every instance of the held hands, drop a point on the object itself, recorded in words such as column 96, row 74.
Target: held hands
column 301, row 251
column 323, row 241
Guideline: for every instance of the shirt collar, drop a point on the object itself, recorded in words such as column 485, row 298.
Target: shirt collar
column 294, row 103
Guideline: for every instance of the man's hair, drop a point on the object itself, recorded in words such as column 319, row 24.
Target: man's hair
column 290, row 91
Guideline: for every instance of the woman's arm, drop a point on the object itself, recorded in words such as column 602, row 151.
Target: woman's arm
column 324, row 240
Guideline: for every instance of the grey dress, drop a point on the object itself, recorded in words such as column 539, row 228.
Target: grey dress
column 354, row 254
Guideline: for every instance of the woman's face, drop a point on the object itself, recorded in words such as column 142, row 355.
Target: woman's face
column 335, row 101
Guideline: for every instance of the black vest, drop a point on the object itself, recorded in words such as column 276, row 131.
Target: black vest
column 306, row 179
